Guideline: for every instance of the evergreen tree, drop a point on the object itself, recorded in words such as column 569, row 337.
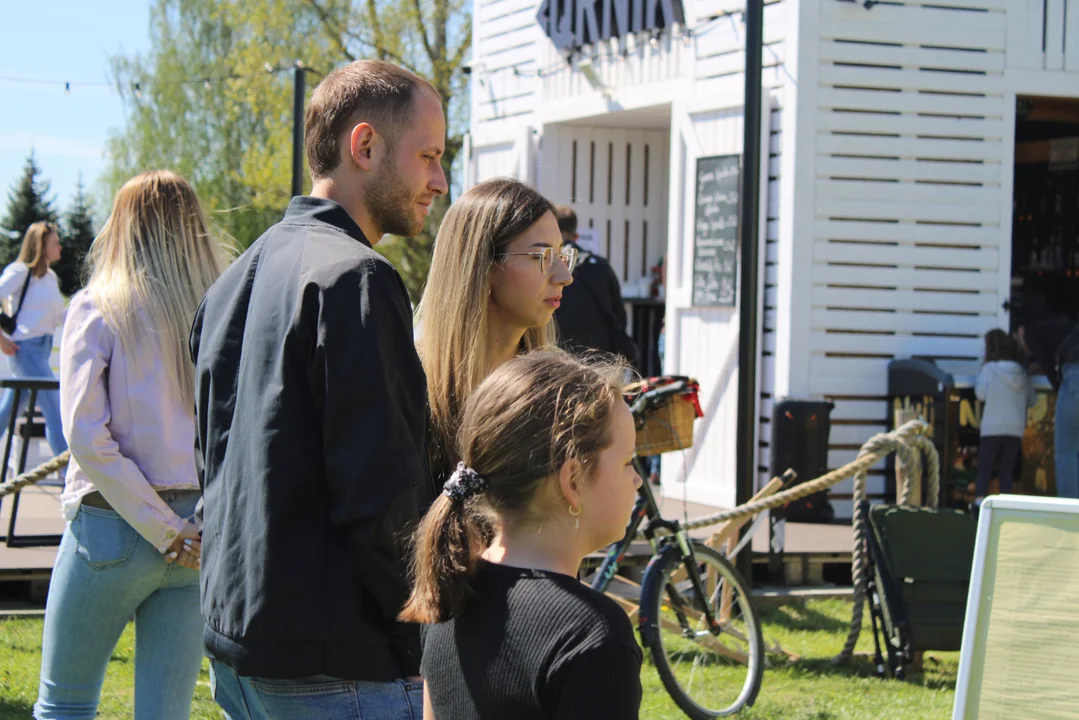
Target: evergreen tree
column 78, row 234
column 28, row 202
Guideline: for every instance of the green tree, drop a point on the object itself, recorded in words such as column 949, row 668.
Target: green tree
column 28, row 203
column 78, row 229
column 202, row 103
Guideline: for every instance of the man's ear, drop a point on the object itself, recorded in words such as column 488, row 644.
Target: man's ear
column 363, row 142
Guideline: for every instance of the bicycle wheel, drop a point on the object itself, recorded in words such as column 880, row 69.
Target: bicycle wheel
column 707, row 674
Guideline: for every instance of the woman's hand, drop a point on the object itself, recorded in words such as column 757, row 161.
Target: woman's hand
column 191, row 555
column 186, row 549
column 7, row 345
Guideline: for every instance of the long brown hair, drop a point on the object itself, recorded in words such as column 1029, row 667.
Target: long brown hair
column 530, row 416
column 151, row 264
column 33, row 247
column 999, row 345
column 453, row 312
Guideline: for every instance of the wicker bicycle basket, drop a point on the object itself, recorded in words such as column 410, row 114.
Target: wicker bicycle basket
column 667, row 428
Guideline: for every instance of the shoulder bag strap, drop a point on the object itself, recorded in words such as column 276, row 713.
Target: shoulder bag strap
column 22, row 296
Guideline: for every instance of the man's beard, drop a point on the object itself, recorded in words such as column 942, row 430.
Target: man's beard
column 389, row 202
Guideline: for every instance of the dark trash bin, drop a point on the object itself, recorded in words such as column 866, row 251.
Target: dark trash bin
column 800, row 430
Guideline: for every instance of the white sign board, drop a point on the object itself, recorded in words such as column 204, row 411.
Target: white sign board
column 1021, row 633
column 588, row 240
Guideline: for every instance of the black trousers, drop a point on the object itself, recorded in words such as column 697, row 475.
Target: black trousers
column 1001, row 451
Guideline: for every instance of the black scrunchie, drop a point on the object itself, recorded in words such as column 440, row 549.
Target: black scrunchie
column 463, row 484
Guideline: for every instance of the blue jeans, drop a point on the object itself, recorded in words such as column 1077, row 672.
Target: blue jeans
column 105, row 574
column 314, row 698
column 1066, row 433
column 32, row 361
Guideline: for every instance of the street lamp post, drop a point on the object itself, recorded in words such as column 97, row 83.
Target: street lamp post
column 298, row 90
column 748, row 401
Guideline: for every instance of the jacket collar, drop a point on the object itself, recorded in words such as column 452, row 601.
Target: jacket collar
column 306, row 210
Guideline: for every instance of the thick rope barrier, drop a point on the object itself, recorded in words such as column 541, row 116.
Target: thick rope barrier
column 908, row 442
column 872, row 452
column 923, row 443
column 907, row 459
column 32, row 477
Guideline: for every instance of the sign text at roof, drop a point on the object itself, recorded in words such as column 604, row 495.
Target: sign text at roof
column 571, row 24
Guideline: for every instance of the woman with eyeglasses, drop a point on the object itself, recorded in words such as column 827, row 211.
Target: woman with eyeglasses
column 496, row 279
column 31, row 292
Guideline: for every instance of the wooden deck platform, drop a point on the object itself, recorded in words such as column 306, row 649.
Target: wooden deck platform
column 39, row 514
column 808, row 548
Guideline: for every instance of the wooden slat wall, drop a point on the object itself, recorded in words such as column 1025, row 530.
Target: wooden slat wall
column 911, row 137
column 769, row 259
column 494, row 161
column 627, row 62
column 1043, row 34
column 719, row 47
column 506, row 37
column 586, row 167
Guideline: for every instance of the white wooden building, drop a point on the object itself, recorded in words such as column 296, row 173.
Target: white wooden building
column 886, row 224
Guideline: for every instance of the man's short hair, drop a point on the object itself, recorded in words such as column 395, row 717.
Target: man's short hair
column 567, row 219
column 372, row 91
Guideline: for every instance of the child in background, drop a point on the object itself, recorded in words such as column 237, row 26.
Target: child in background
column 1006, row 390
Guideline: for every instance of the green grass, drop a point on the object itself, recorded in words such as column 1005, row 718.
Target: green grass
column 810, row 689
column 20, row 663
column 815, row 689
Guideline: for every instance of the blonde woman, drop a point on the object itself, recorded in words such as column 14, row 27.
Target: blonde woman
column 130, row 548
column 31, row 292
column 496, row 279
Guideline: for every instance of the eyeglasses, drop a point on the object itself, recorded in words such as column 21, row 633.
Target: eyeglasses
column 546, row 256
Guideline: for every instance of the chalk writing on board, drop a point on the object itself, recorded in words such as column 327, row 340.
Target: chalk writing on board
column 715, row 236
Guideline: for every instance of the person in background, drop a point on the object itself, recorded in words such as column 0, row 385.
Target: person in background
column 592, row 316
column 499, row 272
column 31, row 291
column 546, row 445
column 1006, row 391
column 1041, row 335
column 130, row 549
column 311, row 420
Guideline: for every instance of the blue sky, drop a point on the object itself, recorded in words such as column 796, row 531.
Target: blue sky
column 62, row 41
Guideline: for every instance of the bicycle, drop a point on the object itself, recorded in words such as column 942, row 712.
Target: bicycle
column 695, row 611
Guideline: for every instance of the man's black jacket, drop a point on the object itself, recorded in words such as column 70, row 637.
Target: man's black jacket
column 592, row 315
column 311, row 419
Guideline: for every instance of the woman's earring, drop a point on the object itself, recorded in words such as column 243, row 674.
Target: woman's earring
column 576, row 520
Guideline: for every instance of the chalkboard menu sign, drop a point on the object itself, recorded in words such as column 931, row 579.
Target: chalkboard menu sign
column 715, row 235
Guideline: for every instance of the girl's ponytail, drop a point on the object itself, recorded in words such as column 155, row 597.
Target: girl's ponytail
column 448, row 545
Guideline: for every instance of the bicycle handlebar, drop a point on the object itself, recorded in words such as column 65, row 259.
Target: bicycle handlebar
column 649, row 398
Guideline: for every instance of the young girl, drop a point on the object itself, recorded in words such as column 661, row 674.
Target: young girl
column 127, row 399
column 547, row 445
column 496, row 279
column 1005, row 388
